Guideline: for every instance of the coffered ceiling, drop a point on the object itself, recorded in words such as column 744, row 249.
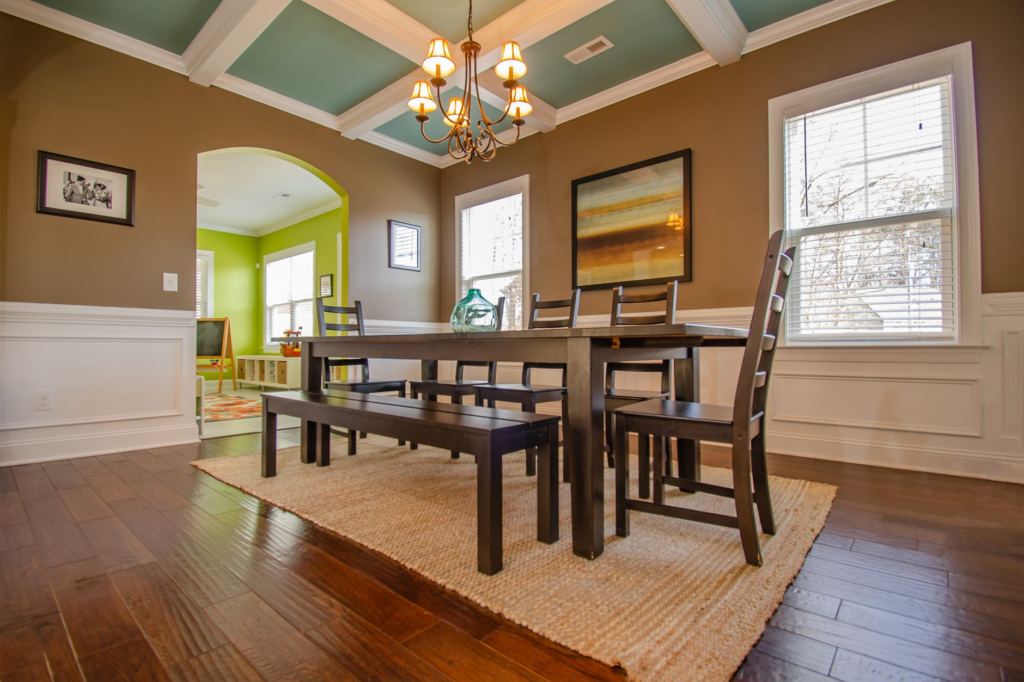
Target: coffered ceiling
column 350, row 64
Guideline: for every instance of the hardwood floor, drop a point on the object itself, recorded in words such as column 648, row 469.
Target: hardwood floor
column 139, row 566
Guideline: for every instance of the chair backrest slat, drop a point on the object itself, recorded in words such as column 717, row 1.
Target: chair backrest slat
column 759, row 353
column 536, row 322
column 669, row 295
column 492, row 367
column 663, row 367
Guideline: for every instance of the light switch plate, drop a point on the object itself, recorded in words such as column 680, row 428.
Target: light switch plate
column 170, row 281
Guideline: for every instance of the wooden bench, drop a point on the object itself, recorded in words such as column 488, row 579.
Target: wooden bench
column 486, row 433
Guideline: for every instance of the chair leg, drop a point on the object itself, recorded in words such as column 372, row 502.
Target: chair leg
column 456, row 400
column 352, row 436
column 609, row 438
column 413, row 445
column 531, row 453
column 565, row 438
column 622, row 476
column 644, row 471
column 667, row 444
column 762, row 495
column 659, row 469
column 401, row 394
column 745, row 499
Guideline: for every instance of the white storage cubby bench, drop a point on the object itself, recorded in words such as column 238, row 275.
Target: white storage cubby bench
column 269, row 371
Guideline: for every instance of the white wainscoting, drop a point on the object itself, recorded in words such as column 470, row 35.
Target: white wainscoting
column 122, row 379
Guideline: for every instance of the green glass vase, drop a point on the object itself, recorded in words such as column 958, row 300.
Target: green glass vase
column 474, row 314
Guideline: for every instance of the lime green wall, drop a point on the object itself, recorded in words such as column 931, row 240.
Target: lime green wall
column 236, row 285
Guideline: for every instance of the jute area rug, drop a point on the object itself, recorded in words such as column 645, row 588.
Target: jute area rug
column 674, row 601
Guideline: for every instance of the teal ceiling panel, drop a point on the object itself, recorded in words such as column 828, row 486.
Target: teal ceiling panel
column 760, row 13
column 407, row 129
column 646, row 35
column 165, row 24
column 310, row 57
column 448, row 17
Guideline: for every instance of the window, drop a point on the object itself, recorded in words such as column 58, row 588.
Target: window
column 492, row 241
column 288, row 292
column 871, row 197
column 204, row 283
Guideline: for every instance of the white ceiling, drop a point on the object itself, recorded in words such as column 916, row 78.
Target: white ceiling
column 247, row 185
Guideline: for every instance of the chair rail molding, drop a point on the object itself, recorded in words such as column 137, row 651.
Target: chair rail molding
column 121, row 380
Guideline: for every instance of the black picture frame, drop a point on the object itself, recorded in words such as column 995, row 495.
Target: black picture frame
column 58, row 194
column 683, row 158
column 394, row 226
column 326, row 286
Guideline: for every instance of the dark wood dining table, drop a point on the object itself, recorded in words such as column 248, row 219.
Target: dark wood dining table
column 583, row 350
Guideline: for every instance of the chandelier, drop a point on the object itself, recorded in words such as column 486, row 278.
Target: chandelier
column 463, row 142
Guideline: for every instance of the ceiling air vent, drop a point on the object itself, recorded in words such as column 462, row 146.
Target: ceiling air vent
column 595, row 46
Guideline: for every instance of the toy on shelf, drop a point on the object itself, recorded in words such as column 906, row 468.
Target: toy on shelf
column 292, row 349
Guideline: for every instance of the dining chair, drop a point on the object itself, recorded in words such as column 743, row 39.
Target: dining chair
column 615, row 398
column 363, row 384
column 742, row 426
column 458, row 388
column 528, row 394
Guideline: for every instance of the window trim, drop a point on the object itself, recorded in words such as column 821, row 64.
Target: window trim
column 270, row 258
column 953, row 61
column 208, row 255
column 501, row 190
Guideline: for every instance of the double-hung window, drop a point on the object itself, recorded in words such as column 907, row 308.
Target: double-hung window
column 204, row 283
column 492, row 241
column 871, row 199
column 288, row 292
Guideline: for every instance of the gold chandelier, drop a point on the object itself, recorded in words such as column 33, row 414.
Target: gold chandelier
column 462, row 141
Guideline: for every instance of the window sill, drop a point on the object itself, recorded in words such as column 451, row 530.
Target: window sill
column 932, row 353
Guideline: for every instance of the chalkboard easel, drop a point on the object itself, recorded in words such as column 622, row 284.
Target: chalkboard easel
column 213, row 342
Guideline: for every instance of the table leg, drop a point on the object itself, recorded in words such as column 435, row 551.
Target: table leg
column 687, row 385
column 269, row 442
column 312, row 382
column 586, row 412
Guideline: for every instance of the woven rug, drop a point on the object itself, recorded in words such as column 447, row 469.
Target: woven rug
column 221, row 407
column 674, row 601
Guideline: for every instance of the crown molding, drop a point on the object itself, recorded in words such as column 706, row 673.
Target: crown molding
column 715, row 25
column 229, row 31
column 225, row 228
column 272, row 99
column 80, row 28
column 404, row 148
column 274, row 227
column 808, row 21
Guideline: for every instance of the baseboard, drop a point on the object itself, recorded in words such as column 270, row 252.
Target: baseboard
column 65, row 447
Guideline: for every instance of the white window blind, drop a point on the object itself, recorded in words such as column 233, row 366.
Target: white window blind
column 491, row 254
column 870, row 203
column 289, row 292
column 204, row 284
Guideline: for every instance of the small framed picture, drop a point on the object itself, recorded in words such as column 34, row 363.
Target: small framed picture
column 76, row 188
column 326, row 286
column 403, row 246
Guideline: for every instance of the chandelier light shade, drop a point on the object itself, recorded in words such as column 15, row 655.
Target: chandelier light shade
column 466, row 140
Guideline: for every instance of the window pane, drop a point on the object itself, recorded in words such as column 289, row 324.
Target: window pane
column 288, row 295
column 491, row 243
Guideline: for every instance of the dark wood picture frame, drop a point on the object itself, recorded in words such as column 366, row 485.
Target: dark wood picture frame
column 392, row 224
column 326, row 285
column 65, row 207
column 684, row 158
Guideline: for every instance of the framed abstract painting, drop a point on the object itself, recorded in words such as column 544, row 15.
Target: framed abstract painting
column 631, row 225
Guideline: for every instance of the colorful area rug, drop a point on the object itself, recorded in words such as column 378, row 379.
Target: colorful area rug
column 222, row 407
column 674, row 601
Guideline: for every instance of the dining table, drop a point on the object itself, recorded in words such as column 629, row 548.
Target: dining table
column 584, row 350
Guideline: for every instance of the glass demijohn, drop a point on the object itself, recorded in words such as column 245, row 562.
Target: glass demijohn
column 474, row 313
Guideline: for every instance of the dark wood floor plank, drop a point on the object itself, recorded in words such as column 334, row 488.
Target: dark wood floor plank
column 1008, row 589
column 271, row 645
column 33, row 483
column 58, row 537
column 116, row 546
column 998, row 569
column 837, row 541
column 812, row 602
column 126, row 470
column 199, row 494
column 16, row 537
column 879, row 537
column 461, row 657
column 850, row 667
column 93, row 612
column 880, row 565
column 220, row 664
column 130, row 661
column 202, row 577
column 85, row 504
column 111, row 488
column 368, row 653
column 301, row 604
column 546, row 658
column 64, row 476
column 7, row 482
column 176, row 627
column 147, row 462
column 25, row 591
column 899, row 652
column 759, row 667
column 12, row 511
column 795, row 649
column 90, row 466
column 159, row 495
column 37, row 649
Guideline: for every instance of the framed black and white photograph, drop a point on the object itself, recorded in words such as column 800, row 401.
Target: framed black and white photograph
column 403, row 246
column 76, row 188
column 326, row 286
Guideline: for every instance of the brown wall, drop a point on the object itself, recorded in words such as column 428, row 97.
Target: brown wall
column 721, row 113
column 71, row 97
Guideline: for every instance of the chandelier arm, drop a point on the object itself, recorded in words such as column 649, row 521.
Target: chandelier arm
column 509, row 144
column 456, row 154
column 480, row 101
column 423, row 131
column 445, row 114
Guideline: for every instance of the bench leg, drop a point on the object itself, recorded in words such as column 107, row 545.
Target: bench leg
column 659, row 469
column 307, row 448
column 269, row 462
column 547, row 489
column 413, row 445
column 644, row 469
column 531, row 453
column 488, row 513
column 352, row 436
column 323, row 446
column 456, row 400
column 401, row 394
column 566, row 449
column 622, row 475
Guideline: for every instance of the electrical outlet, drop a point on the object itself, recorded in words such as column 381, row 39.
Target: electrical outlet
column 170, row 281
column 44, row 399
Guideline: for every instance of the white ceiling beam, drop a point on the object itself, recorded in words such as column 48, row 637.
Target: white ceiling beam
column 492, row 91
column 527, row 23
column 382, row 22
column 229, row 31
column 715, row 25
